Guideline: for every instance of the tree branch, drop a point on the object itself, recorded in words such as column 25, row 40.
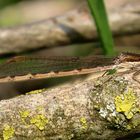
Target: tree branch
column 75, row 26
column 103, row 108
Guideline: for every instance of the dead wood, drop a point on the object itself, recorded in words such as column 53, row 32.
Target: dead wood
column 106, row 107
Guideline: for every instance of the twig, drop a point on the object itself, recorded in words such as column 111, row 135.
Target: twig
column 105, row 108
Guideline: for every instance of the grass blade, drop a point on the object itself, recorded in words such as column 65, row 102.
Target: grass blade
column 98, row 11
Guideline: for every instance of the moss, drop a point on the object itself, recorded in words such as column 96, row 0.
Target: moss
column 36, row 91
column 126, row 104
column 39, row 121
column 8, row 132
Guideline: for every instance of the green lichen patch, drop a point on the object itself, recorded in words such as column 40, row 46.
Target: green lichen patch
column 134, row 122
column 24, row 114
column 126, row 104
column 40, row 108
column 115, row 100
column 36, row 91
column 83, row 122
column 8, row 132
column 39, row 121
column 104, row 92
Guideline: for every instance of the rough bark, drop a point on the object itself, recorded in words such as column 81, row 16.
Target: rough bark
column 75, row 26
column 106, row 107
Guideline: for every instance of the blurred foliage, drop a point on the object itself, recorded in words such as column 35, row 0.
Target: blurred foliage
column 4, row 3
column 98, row 11
column 9, row 16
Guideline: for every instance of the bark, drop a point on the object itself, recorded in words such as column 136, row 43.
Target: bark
column 106, row 107
column 75, row 26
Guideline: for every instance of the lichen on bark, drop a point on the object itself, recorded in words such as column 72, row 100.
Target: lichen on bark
column 99, row 108
column 116, row 101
